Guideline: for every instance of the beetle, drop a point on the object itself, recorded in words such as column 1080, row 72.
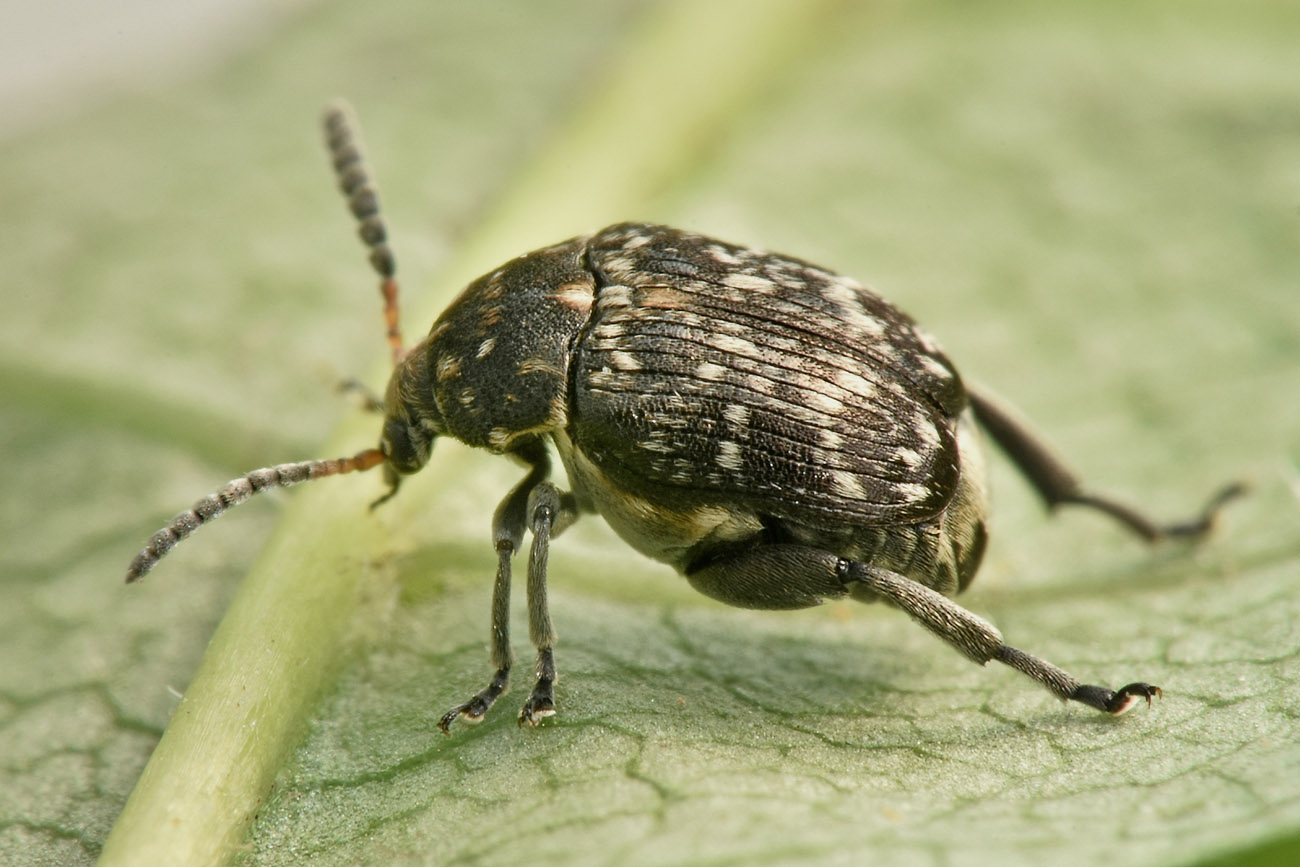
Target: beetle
column 779, row 434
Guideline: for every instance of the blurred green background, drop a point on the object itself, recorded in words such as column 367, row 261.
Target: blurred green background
column 1096, row 208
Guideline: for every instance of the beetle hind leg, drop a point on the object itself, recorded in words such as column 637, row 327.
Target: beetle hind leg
column 1112, row 701
column 770, row 577
column 797, row 576
column 1058, row 486
column 980, row 640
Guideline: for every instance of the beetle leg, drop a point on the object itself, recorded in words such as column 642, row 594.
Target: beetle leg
column 1058, row 486
column 795, row 576
column 370, row 399
column 507, row 536
column 980, row 640
column 551, row 512
column 502, row 656
column 545, row 506
column 772, row 577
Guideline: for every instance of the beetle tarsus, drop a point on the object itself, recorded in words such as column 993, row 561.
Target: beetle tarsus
column 1067, row 688
column 541, row 703
column 1117, row 701
column 477, row 707
column 537, row 708
column 1127, row 696
column 1201, row 527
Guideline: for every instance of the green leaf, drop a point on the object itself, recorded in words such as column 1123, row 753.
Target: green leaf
column 1095, row 209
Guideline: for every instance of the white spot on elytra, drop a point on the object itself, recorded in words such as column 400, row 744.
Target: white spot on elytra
column 617, row 264
column 750, row 283
column 721, row 254
column 710, row 371
column 926, row 432
column 729, row 456
column 737, row 414
column 726, row 326
column 912, row 493
column 734, row 345
column 846, row 485
column 608, row 331
column 486, row 347
column 624, row 361
column 864, row 322
column 615, row 296
column 842, row 294
column 825, row 403
column 910, row 458
column 854, row 383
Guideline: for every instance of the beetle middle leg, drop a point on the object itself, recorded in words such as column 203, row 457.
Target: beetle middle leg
column 795, row 576
column 1058, row 486
column 371, row 401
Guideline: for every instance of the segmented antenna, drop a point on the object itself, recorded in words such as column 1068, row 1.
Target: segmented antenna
column 354, row 180
column 236, row 492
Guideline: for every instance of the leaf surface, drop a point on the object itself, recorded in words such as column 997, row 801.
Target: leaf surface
column 1094, row 209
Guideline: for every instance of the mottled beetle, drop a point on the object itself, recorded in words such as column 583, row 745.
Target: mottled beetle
column 777, row 433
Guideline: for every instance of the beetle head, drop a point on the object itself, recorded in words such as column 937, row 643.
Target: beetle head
column 411, row 420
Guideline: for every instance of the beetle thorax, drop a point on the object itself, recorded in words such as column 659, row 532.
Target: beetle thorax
column 497, row 361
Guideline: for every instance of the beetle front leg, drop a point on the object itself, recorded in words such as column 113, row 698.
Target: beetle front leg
column 507, row 536
column 502, row 656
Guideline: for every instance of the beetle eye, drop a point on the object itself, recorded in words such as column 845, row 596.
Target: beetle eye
column 406, row 446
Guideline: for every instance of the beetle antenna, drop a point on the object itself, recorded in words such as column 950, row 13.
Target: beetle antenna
column 344, row 141
column 237, row 491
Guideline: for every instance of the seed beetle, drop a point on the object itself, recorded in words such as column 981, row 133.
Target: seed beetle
column 779, row 434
